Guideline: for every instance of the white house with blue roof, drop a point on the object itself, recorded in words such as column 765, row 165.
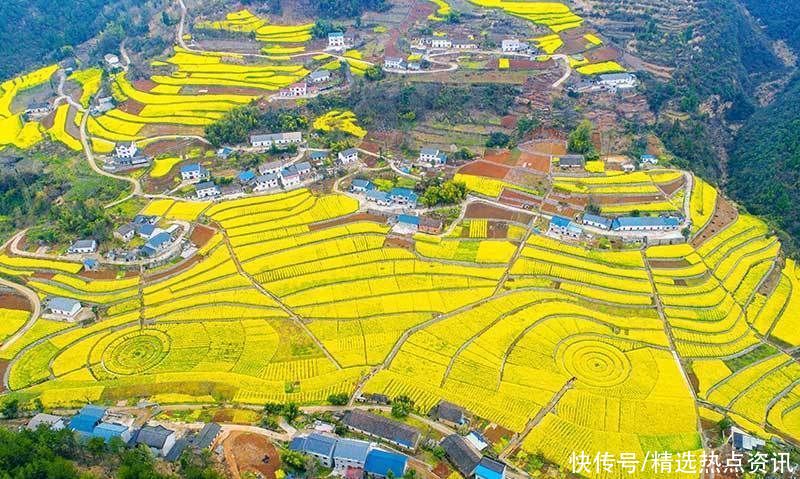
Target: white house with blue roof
column 157, row 244
column 646, row 223
column 381, row 198
column 361, row 186
column 206, row 189
column 194, row 172
column 597, row 221
column 336, row 40
column 403, row 196
column 564, row 227
column 489, row 468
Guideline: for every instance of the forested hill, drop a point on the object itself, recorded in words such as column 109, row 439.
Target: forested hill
column 39, row 31
column 765, row 161
column 780, row 19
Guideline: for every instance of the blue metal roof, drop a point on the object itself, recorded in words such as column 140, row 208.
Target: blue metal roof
column 403, row 193
column 64, row 304
column 107, row 430
column 159, row 239
column 380, row 462
column 488, row 468
column 588, row 217
column 315, row 443
column 560, row 221
column 366, row 184
column 84, row 424
column 190, row 168
column 351, row 449
column 408, row 219
column 336, row 34
column 246, row 176
column 644, row 221
column 377, row 195
column 90, row 263
column 315, row 155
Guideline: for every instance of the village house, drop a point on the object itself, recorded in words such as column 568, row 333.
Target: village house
column 102, row 105
column 628, row 167
column 315, row 445
column 381, row 198
column 206, row 189
column 469, row 462
column 127, row 149
column 382, row 428
column 596, row 221
column 645, row 223
column 158, row 439
column 246, row 177
column 112, row 61
column 394, row 63
column 224, row 152
column 349, row 453
column 403, row 196
column 430, row 225
column 463, row 43
column 449, row 414
column 278, row 140
column 38, row 110
column 441, row 43
column 318, row 157
column 295, row 90
column 571, row 161
column 564, row 227
column 271, row 167
column 348, row 156
column 50, row 421
column 91, row 264
column 513, row 45
column 476, row 440
column 361, row 186
column 156, row 244
column 414, row 66
column 648, row 160
column 406, row 224
column 336, row 40
column 617, row 80
column 489, row 468
column 431, row 157
column 319, row 76
column 266, row 182
column 743, row 442
column 83, row 246
column 90, row 423
column 125, row 232
column 194, row 172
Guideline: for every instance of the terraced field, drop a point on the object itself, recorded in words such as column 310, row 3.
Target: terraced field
column 286, row 305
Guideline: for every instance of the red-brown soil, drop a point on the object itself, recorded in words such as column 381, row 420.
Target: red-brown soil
column 485, row 168
column 482, row 210
column 14, row 301
column 253, row 453
column 724, row 214
column 347, row 219
column 502, row 156
column 201, row 234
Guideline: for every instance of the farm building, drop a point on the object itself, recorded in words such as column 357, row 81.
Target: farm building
column 460, row 454
column 295, row 90
column 430, row 225
column 382, row 428
column 206, row 437
column 83, row 246
column 319, row 76
column 564, row 226
column 65, row 307
column 450, row 414
column 348, row 156
column 743, row 442
column 158, row 439
column 157, row 243
column 316, row 445
column 442, row 43
column 511, row 45
column 648, row 160
column 571, row 161
column 597, row 221
column 645, row 223
column 276, row 139
column 318, row 157
column 464, row 43
column 381, row 464
column 489, row 468
column 617, row 80
column 195, row 171
column 206, row 189
column 477, row 440
column 38, row 110
column 56, row 423
column 91, row 264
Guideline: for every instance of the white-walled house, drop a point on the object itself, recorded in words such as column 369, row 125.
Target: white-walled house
column 348, row 156
column 277, row 139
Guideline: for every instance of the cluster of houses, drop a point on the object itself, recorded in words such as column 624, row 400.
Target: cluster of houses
column 127, row 156
column 565, row 227
column 402, row 197
column 351, row 458
column 156, row 239
column 97, row 422
column 275, row 174
column 310, row 86
column 611, row 82
column 277, row 140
